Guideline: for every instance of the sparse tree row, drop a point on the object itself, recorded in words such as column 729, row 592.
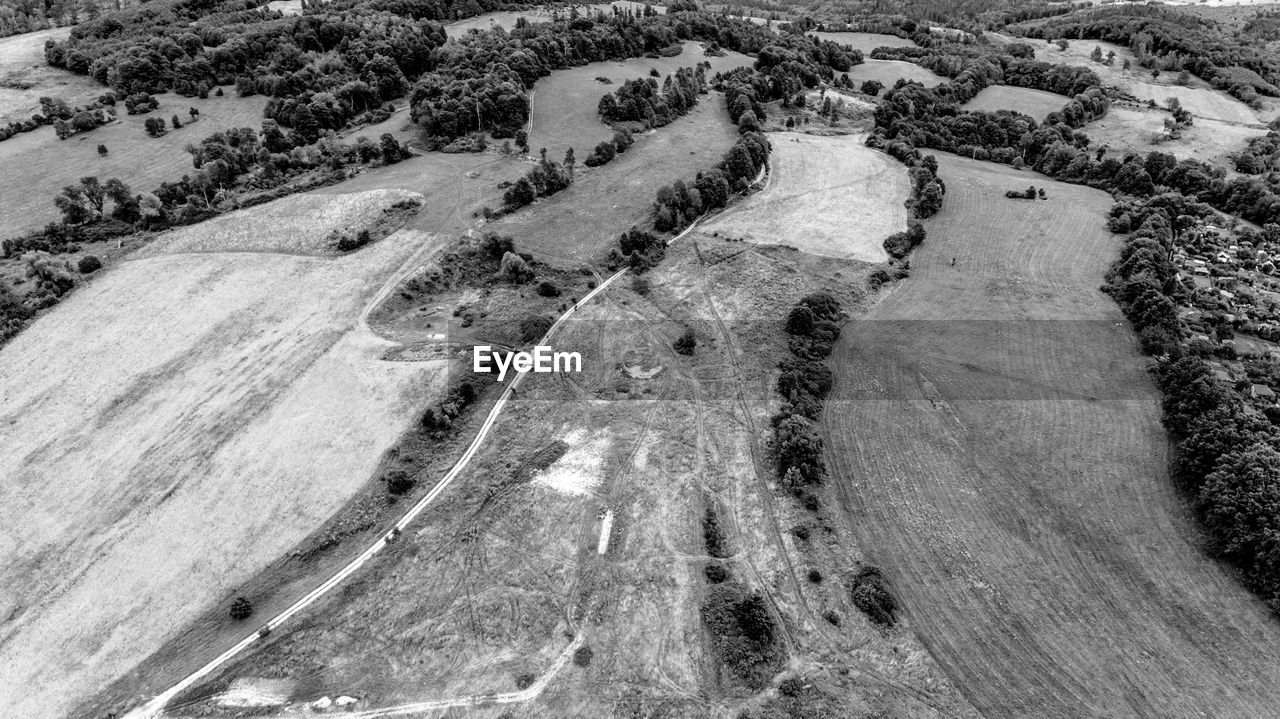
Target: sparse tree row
column 642, row 101
column 66, row 120
column 1166, row 40
column 1226, row 457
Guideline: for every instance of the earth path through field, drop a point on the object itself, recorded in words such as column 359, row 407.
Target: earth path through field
column 998, row 445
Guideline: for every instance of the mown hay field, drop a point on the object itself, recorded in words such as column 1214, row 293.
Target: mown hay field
column 1035, row 103
column 999, row 446
column 173, row 426
column 1129, row 129
column 829, row 196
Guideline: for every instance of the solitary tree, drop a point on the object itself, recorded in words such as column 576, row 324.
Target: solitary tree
column 686, row 342
column 102, row 149
column 522, row 141
column 241, row 609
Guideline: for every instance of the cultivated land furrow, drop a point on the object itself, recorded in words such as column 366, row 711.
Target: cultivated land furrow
column 1005, row 463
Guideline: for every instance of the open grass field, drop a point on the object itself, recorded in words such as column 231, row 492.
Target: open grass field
column 25, row 78
column 1126, row 129
column 864, row 41
column 828, row 196
column 999, row 447
column 606, row 200
column 141, row 161
column 1035, row 103
column 175, row 425
column 889, row 72
column 565, row 103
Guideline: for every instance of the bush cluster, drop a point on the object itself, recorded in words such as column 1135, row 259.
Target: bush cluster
column 804, row 382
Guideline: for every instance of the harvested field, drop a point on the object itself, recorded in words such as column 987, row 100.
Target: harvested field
column 864, row 41
column 1035, row 103
column 565, row 103
column 25, row 78
column 174, row 426
column 1127, row 129
column 1001, row 454
column 829, row 196
column 1202, row 102
column 606, row 200
column 141, row 161
column 888, row 72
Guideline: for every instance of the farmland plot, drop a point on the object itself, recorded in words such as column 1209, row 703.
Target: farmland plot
column 1001, row 453
column 25, row 78
column 173, row 426
column 888, row 72
column 864, row 41
column 830, row 196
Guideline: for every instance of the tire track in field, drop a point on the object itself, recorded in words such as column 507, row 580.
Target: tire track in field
column 999, row 449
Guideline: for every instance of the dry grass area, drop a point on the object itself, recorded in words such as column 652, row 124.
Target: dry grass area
column 143, row 162
column 829, row 196
column 25, row 78
column 503, row 572
column 1035, row 103
column 564, row 104
column 1000, row 451
column 581, row 223
column 299, row 225
column 864, row 41
column 889, row 72
column 1126, row 129
column 234, row 402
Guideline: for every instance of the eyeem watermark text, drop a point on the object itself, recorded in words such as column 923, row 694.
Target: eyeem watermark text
column 542, row 360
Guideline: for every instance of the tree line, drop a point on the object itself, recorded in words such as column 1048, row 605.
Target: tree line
column 1225, row 455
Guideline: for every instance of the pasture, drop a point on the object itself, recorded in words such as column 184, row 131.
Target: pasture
column 998, row 446
column 828, row 196
column 1034, row 103
column 864, row 41
column 889, row 72
column 141, row 161
column 236, row 401
column 606, row 200
column 565, row 103
column 25, row 78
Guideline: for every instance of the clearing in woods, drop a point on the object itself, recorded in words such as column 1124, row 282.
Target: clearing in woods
column 864, row 41
column 888, row 72
column 141, row 161
column 1035, row 103
column 828, row 196
column 1000, row 450
column 565, row 103
column 507, row 19
column 179, row 422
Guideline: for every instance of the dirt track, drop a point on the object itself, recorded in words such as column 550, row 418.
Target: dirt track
column 1000, row 451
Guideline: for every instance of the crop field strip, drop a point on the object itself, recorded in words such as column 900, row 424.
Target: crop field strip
column 1042, row 554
